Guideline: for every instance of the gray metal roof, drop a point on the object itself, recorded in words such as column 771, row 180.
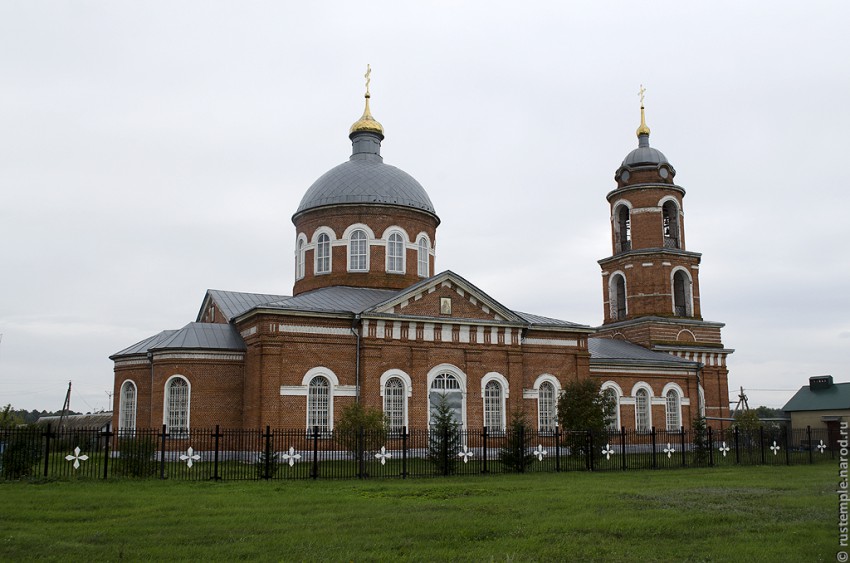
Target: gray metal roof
column 366, row 179
column 203, row 336
column 76, row 421
column 145, row 345
column 537, row 320
column 644, row 154
column 602, row 349
column 234, row 303
column 335, row 299
column 835, row 397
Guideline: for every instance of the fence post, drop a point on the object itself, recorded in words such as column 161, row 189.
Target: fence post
column 162, row 452
column 623, row 446
column 557, row 448
column 107, row 434
column 737, row 448
column 216, row 436
column 682, row 442
column 315, row 474
column 809, row 441
column 710, row 448
column 484, row 460
column 267, row 452
column 654, row 462
column 404, row 452
column 46, row 435
column 761, row 444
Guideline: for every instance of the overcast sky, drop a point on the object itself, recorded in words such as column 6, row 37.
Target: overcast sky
column 152, row 150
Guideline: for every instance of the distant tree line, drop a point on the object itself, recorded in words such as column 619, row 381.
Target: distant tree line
column 10, row 417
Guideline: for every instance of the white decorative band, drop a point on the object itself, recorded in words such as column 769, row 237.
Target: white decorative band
column 301, row 390
column 551, row 341
column 302, row 329
column 198, row 356
column 249, row 331
column 131, row 362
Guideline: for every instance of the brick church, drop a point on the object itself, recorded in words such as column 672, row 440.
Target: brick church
column 369, row 320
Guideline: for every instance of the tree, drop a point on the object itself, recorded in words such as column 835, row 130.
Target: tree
column 9, row 418
column 702, row 445
column 361, row 429
column 516, row 454
column 581, row 406
column 444, row 443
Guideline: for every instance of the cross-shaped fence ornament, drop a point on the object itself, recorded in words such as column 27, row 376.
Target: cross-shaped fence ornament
column 383, row 455
column 291, row 457
column 821, row 446
column 669, row 450
column 774, row 448
column 724, row 449
column 608, row 451
column 465, row 454
column 540, row 452
column 76, row 457
column 190, row 457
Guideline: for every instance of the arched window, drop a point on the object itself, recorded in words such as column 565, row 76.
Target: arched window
column 299, row 260
column 445, row 389
column 614, row 422
column 642, row 418
column 546, row 407
column 395, row 254
column 127, row 408
column 494, row 409
column 674, row 411
column 358, row 248
column 319, row 404
column 671, row 225
column 177, row 407
column 395, row 398
column 681, row 294
column 617, row 296
column 422, row 258
column 624, row 229
column 323, row 254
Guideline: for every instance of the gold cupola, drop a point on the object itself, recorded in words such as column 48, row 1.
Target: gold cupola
column 367, row 123
column 643, row 129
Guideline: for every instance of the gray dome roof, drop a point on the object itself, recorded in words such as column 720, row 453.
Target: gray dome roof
column 366, row 179
column 644, row 154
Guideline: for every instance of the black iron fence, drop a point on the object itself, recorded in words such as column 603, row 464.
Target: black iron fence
column 214, row 454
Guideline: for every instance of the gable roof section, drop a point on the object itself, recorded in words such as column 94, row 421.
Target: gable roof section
column 335, row 299
column 423, row 286
column 233, row 303
column 203, row 336
column 143, row 346
column 609, row 350
column 835, row 397
column 536, row 321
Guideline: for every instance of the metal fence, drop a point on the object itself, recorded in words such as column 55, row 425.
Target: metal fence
column 215, row 454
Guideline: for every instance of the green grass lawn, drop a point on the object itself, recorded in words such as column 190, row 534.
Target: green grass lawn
column 720, row 514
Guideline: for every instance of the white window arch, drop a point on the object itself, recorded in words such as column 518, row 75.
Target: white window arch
column 396, row 390
column 642, row 394
column 670, row 223
column 615, row 392
column 323, row 254
column 682, row 292
column 617, row 300
column 358, row 251
column 175, row 412
column 447, row 382
column 395, row 253
column 300, row 253
column 673, row 408
column 622, row 226
column 548, row 389
column 494, row 392
column 127, row 408
column 422, row 254
column 321, row 383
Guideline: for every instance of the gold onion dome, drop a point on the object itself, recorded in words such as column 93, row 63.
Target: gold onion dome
column 644, row 128
column 367, row 123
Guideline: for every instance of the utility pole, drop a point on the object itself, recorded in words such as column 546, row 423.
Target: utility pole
column 66, row 407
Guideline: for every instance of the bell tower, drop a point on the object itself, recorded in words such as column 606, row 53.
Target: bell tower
column 650, row 283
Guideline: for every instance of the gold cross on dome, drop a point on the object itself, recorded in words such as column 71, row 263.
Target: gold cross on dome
column 368, row 80
column 641, row 93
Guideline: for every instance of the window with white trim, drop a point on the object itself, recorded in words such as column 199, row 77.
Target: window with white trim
column 670, row 225
column 422, row 258
column 177, row 407
column 674, row 411
column 395, row 398
column 642, row 420
column 319, row 404
column 299, row 260
column 446, row 388
column 358, row 247
column 395, row 254
column 618, row 297
column 494, row 407
column 127, row 408
column 623, row 228
column 323, row 254
column 681, row 294
column 547, row 414
column 611, row 394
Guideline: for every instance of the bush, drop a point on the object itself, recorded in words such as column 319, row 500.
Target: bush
column 137, row 456
column 21, row 454
column 700, row 438
column 515, row 454
column 353, row 420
